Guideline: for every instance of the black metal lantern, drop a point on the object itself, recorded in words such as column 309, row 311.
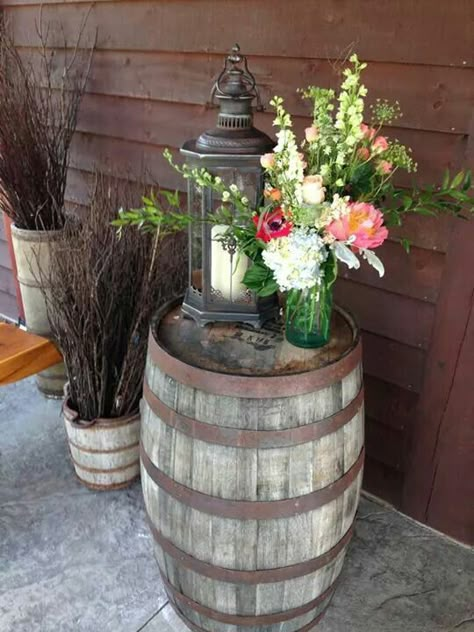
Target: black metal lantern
column 232, row 151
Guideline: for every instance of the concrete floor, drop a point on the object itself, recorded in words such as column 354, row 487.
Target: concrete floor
column 72, row 560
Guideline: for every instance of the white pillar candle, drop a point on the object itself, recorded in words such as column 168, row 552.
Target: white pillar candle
column 227, row 271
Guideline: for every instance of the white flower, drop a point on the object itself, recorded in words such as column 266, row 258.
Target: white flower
column 313, row 190
column 225, row 196
column 234, row 188
column 296, row 260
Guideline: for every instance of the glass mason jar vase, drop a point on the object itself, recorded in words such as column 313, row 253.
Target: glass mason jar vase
column 308, row 312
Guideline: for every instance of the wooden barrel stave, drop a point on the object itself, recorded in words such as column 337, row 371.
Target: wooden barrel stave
column 227, row 502
column 249, row 599
column 204, row 622
column 247, row 473
column 240, row 412
column 249, row 544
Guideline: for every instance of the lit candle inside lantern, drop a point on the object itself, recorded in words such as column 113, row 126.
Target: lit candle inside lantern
column 227, row 269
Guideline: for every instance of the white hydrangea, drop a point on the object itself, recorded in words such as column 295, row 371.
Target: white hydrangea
column 296, row 260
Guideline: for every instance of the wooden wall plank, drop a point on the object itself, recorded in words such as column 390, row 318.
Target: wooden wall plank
column 432, row 97
column 393, row 361
column 8, row 305
column 450, row 341
column 383, row 481
column 165, row 26
column 4, row 254
column 385, row 444
column 166, row 123
column 7, row 283
column 389, row 404
column 397, row 317
column 417, row 275
column 450, row 508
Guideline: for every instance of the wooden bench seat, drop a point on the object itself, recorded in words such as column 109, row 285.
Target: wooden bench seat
column 23, row 354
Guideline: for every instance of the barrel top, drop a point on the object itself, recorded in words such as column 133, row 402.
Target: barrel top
column 239, row 349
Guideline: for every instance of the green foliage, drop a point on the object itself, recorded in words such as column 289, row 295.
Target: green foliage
column 384, row 113
column 453, row 197
column 159, row 213
column 259, row 278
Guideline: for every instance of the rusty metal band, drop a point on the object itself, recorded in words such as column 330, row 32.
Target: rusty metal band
column 195, row 628
column 246, row 509
column 112, row 423
column 111, row 470
column 234, row 576
column 254, row 387
column 81, row 448
column 238, row 438
column 233, row 619
column 109, row 486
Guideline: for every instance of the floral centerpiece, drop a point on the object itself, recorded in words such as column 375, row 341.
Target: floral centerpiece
column 328, row 199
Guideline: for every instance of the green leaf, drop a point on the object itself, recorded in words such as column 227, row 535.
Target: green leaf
column 270, row 288
column 406, row 243
column 467, row 181
column 260, row 279
column 446, row 179
column 458, row 178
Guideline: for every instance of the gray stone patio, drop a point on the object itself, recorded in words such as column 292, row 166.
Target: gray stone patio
column 72, row 560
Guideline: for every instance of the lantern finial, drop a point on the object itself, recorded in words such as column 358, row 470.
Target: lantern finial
column 235, row 90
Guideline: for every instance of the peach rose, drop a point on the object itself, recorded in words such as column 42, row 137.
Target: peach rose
column 363, row 153
column 367, row 132
column 380, row 144
column 363, row 223
column 313, row 190
column 311, row 133
column 267, row 161
column 384, row 167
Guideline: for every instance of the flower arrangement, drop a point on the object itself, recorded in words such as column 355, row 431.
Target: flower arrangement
column 329, row 199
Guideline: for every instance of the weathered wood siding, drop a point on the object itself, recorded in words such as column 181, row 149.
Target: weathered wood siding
column 151, row 76
column 8, row 297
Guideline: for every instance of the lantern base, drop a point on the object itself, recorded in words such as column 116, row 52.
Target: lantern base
column 268, row 309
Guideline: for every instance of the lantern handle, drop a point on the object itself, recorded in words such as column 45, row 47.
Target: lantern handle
column 231, row 63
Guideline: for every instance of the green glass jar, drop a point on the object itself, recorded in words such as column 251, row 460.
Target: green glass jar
column 308, row 312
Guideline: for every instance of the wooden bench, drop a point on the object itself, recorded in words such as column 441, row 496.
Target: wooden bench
column 23, row 354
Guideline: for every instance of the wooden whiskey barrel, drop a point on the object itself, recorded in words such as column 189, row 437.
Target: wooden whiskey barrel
column 251, row 459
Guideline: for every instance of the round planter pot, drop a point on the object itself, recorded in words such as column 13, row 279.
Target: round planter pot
column 32, row 253
column 105, row 452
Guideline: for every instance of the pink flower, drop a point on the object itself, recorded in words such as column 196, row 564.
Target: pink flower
column 368, row 132
column 311, row 133
column 384, row 167
column 363, row 153
column 380, row 144
column 363, row 223
column 271, row 225
column 267, row 161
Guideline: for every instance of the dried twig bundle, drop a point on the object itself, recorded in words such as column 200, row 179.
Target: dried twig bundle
column 38, row 115
column 103, row 291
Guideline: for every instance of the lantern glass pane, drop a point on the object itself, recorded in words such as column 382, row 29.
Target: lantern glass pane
column 195, row 208
column 227, row 267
